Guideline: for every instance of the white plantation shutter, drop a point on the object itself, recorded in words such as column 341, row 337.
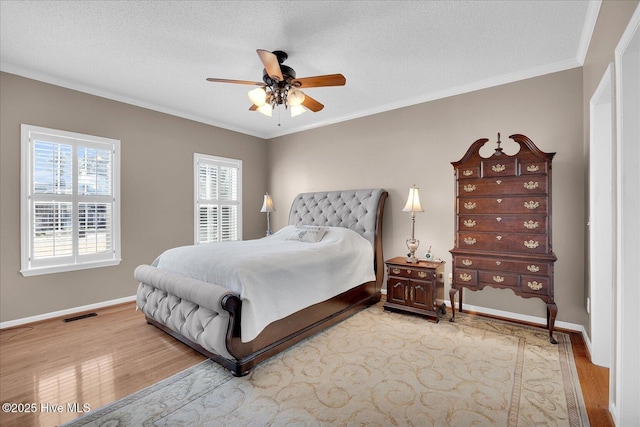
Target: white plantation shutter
column 218, row 209
column 70, row 201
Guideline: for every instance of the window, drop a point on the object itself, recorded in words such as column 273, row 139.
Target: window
column 218, row 195
column 70, row 207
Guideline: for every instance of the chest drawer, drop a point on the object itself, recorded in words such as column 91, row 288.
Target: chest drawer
column 504, row 223
column 498, row 278
column 501, row 205
column 503, row 185
column 517, row 243
column 534, row 267
column 468, row 173
column 499, row 168
column 535, row 285
column 465, row 277
column 533, row 168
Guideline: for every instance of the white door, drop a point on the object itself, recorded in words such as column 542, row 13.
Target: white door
column 601, row 221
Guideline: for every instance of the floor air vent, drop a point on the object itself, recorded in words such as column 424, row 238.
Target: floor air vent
column 84, row 316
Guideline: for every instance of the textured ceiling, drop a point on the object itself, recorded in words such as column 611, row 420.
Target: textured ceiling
column 392, row 53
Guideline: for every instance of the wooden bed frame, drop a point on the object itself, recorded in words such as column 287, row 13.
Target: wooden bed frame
column 292, row 329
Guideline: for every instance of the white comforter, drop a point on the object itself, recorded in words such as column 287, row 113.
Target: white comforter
column 276, row 277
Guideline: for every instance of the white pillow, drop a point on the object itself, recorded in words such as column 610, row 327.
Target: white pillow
column 307, row 234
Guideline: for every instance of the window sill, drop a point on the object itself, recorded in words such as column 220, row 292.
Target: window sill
column 64, row 268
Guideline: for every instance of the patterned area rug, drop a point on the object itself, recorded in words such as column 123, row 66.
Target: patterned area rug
column 377, row 369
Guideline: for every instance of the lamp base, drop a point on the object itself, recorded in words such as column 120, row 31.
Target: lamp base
column 411, row 259
column 412, row 245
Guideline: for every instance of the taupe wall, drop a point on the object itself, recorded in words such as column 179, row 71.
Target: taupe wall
column 157, row 188
column 416, row 145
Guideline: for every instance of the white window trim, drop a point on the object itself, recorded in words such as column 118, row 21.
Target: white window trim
column 26, row 181
column 206, row 158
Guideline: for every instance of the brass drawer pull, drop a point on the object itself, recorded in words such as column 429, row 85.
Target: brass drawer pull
column 465, row 277
column 469, row 188
column 498, row 262
column 531, row 244
column 498, row 219
column 498, row 279
column 533, row 168
column 467, row 262
column 498, row 181
column 498, row 168
column 534, row 285
column 499, row 200
column 531, row 205
column 531, row 225
column 470, row 240
column 467, row 172
column 395, row 270
column 531, row 185
column 533, row 268
column 469, row 205
column 422, row 274
column 499, row 237
column 469, row 223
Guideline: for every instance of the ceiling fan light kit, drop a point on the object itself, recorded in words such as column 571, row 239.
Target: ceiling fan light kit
column 281, row 87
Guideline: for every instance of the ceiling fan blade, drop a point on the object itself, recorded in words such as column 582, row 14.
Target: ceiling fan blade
column 240, row 82
column 319, row 81
column 271, row 64
column 312, row 104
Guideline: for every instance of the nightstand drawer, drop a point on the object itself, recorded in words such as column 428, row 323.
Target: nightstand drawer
column 411, row 273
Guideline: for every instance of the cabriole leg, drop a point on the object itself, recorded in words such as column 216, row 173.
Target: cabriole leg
column 552, row 311
column 452, row 294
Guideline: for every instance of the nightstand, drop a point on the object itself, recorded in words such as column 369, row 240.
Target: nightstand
column 414, row 288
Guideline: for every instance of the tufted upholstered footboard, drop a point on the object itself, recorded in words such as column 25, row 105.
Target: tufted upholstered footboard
column 168, row 297
column 212, row 325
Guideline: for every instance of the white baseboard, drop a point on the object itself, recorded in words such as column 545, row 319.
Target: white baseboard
column 541, row 321
column 18, row 322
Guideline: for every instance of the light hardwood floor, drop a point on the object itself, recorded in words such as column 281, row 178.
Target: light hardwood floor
column 97, row 360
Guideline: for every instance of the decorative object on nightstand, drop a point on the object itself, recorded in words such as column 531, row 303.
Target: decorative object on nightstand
column 503, row 224
column 267, row 206
column 413, row 206
column 414, row 287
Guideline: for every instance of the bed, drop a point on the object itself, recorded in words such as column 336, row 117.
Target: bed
column 221, row 313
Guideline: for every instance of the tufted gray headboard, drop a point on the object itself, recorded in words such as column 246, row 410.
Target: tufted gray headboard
column 353, row 209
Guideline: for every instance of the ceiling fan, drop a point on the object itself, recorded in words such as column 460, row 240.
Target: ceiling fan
column 280, row 86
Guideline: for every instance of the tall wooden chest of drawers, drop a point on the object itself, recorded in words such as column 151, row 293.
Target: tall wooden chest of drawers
column 503, row 224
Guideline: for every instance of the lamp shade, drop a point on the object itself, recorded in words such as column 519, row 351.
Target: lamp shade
column 267, row 205
column 258, row 96
column 413, row 201
column 266, row 109
column 295, row 98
